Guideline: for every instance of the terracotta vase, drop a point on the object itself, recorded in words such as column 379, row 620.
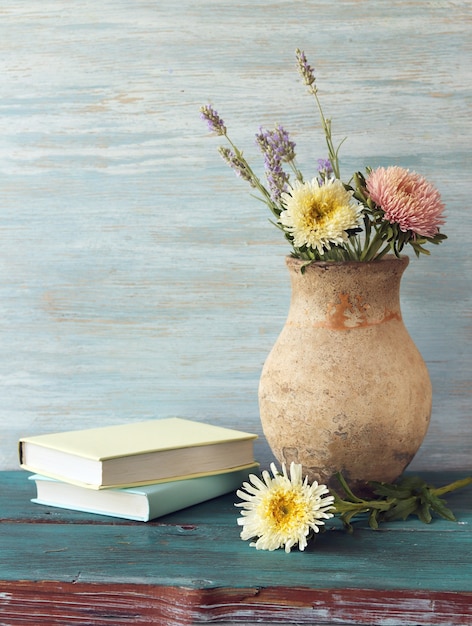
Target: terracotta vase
column 344, row 387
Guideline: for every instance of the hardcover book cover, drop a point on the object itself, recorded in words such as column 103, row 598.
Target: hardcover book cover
column 139, row 503
column 136, row 453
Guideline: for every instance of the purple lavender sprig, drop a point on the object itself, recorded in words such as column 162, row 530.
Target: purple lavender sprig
column 308, row 75
column 276, row 177
column 306, row 71
column 238, row 164
column 325, row 171
column 214, row 121
column 276, row 147
column 277, row 143
column 235, row 158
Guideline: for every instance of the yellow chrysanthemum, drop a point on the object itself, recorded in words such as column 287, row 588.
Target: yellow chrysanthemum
column 282, row 510
column 318, row 215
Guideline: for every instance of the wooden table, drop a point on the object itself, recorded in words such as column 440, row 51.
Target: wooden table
column 139, row 280
column 63, row 567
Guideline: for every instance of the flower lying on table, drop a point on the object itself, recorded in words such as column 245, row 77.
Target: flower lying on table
column 324, row 218
column 283, row 510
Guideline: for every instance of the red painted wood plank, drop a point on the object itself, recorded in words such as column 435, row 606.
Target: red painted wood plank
column 48, row 602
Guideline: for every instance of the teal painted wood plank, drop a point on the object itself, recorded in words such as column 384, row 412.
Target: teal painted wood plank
column 192, row 567
column 138, row 279
column 198, row 557
column 192, row 548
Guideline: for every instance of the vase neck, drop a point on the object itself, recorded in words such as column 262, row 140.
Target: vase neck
column 344, row 296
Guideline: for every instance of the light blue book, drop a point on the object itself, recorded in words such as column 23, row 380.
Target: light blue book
column 142, row 503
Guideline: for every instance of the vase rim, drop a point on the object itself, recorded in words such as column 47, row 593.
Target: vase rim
column 391, row 258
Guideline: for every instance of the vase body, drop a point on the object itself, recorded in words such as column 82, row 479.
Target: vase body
column 344, row 387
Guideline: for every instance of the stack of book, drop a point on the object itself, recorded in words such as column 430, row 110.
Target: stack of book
column 137, row 471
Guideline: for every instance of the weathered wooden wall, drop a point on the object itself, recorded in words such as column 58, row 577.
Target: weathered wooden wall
column 138, row 278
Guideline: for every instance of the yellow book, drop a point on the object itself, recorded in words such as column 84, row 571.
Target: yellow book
column 137, row 453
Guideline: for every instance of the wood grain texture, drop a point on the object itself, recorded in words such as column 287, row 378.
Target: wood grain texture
column 25, row 604
column 189, row 567
column 138, row 278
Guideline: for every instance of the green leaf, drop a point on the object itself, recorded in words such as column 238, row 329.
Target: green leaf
column 402, row 509
column 413, row 483
column 346, row 520
column 438, row 505
column 373, row 521
column 423, row 512
column 391, row 491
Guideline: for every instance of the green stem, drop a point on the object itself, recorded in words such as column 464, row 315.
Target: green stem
column 255, row 179
column 296, row 171
column 383, row 252
column 458, row 484
column 346, row 488
column 352, row 246
column 371, row 250
column 333, row 153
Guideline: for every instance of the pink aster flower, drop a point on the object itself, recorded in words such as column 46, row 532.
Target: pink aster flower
column 407, row 199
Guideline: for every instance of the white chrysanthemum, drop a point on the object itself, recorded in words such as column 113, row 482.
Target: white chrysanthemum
column 318, row 215
column 283, row 510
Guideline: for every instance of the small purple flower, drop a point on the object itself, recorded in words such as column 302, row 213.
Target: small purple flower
column 237, row 164
column 306, row 71
column 214, row 121
column 277, row 148
column 276, row 177
column 325, row 170
column 276, row 142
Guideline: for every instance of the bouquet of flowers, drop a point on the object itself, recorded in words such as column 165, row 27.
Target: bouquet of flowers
column 324, row 218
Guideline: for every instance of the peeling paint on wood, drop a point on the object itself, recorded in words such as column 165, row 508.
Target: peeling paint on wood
column 99, row 605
